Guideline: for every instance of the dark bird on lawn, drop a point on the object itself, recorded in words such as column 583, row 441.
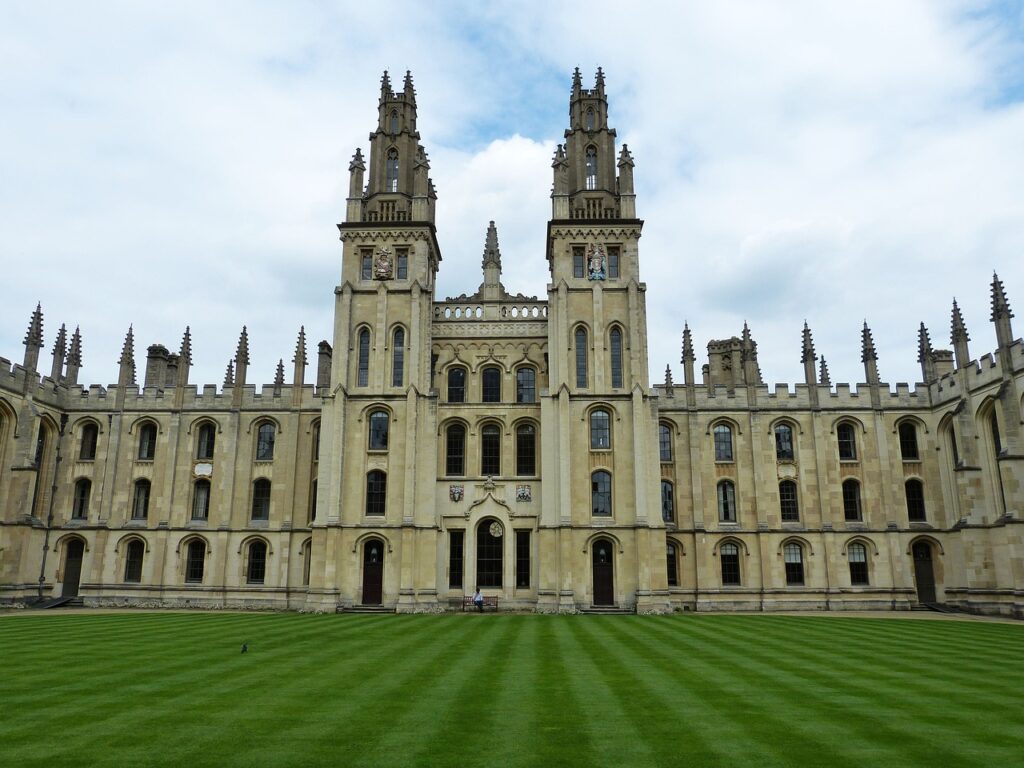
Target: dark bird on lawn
column 245, row 647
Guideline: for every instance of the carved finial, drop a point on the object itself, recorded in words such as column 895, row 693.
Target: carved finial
column 128, row 348
column 867, row 345
column 577, row 81
column 60, row 344
column 669, row 386
column 808, row 345
column 924, row 345
column 559, row 159
column 242, row 353
column 1000, row 306
column 357, row 163
column 229, row 374
column 185, row 352
column 75, row 351
column 279, row 375
column 410, row 91
column 687, row 345
column 958, row 330
column 599, row 80
column 625, row 157
column 823, row 374
column 300, row 347
column 34, row 335
column 492, row 255
column 385, row 85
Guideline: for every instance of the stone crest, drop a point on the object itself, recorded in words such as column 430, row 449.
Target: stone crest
column 596, row 263
column 524, row 493
column 456, row 492
column 383, row 264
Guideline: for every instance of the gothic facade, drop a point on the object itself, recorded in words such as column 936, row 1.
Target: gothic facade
column 512, row 443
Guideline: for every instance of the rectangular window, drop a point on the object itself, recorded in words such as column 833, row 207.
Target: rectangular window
column 366, row 264
column 613, row 261
column 491, row 385
column 526, row 450
column 402, row 265
column 490, row 451
column 578, row 261
column 526, row 385
column 787, row 502
column 522, row 559
column 455, row 557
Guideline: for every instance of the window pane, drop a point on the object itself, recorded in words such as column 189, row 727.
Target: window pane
column 87, row 452
column 80, row 506
column 847, row 442
column 915, row 501
column 851, row 500
column 665, row 442
column 613, row 262
column 730, row 556
column 522, row 559
column 133, row 561
column 366, row 266
column 672, row 565
column 489, row 554
column 205, row 443
column 376, row 492
column 857, row 555
column 578, row 261
column 398, row 358
column 787, row 501
column 783, row 442
column 147, row 442
column 490, row 451
column 581, row 357
column 140, row 504
column 727, row 501
column 908, row 442
column 201, row 500
column 591, row 161
column 723, row 443
column 265, row 437
column 392, row 171
column 668, row 504
column 402, row 266
column 526, row 450
column 491, row 384
column 455, row 462
column 363, row 373
column 526, row 385
column 616, row 353
column 793, row 556
column 379, row 421
column 261, row 500
column 601, row 493
column 600, row 430
column 194, row 563
column 455, row 556
column 456, row 385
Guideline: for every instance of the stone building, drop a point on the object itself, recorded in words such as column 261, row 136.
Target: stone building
column 512, row 442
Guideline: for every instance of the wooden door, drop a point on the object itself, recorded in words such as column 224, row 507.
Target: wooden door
column 604, row 578
column 373, row 572
column 924, row 575
column 72, row 567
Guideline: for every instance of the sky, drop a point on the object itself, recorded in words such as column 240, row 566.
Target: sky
column 172, row 164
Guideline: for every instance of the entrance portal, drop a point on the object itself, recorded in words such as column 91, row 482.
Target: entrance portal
column 604, row 578
column 373, row 572
column 72, row 567
column 924, row 575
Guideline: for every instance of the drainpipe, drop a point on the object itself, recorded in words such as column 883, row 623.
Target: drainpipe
column 49, row 513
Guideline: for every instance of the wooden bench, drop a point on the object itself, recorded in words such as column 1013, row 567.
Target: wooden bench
column 490, row 603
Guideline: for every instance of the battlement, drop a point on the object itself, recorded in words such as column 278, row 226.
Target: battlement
column 793, row 397
column 209, row 398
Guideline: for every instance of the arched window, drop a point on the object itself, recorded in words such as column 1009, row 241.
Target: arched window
column 455, row 450
column 307, row 556
column 490, row 380
column 490, row 450
column 140, row 501
column 398, row 358
column 600, row 429
column 953, row 448
column 723, row 443
column 672, row 564
column 205, row 441
column 668, row 503
column 788, row 506
column 857, row 555
column 784, row 442
column 581, row 356
column 589, row 121
column 201, row 500
column 256, row 563
column 997, row 444
column 312, row 501
column 394, row 122
column 457, row 384
column 526, row 385
column 261, row 499
column 80, row 506
column 489, row 553
column 391, row 185
column 526, row 450
column 601, row 493
column 379, row 421
column 363, row 362
column 133, row 555
column 266, row 435
column 195, row 557
column 793, row 554
column 615, row 341
column 87, row 451
column 665, row 442
column 727, row 501
column 591, row 158
column 147, row 441
column 851, row 500
column 908, row 441
column 847, row 439
column 729, row 554
column 316, row 441
column 915, row 501
column 376, row 492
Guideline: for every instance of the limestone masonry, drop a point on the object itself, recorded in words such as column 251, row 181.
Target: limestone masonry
column 512, row 442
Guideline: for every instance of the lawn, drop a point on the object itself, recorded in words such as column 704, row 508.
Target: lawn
column 508, row 690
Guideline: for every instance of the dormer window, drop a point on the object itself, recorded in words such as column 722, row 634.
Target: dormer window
column 394, row 123
column 392, row 171
column 590, row 120
column 591, row 168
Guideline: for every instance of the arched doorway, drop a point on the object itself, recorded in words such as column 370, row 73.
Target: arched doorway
column 373, row 572
column 604, row 577
column 72, row 567
column 924, row 574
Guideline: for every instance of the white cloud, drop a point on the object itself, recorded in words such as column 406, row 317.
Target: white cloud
column 173, row 165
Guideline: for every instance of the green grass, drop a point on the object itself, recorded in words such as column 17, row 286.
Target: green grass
column 509, row 690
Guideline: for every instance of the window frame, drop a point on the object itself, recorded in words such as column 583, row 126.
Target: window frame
column 853, row 507
column 133, row 566
column 917, row 511
column 526, row 454
column 722, row 438
column 672, row 563
column 789, row 501
column 859, row 576
column 490, row 553
column 376, row 493
column 378, row 424
column 668, row 501
column 363, row 357
column 600, row 435
column 729, row 564
column 147, row 441
column 526, row 384
column 793, row 558
column 141, row 498
column 398, row 357
column 665, row 446
column 909, row 447
column 262, row 491
column 256, row 567
column 785, row 446
column 846, row 440
column 490, row 384
column 201, row 501
column 615, row 356
column 725, row 492
column 206, row 441
column 581, row 355
column 195, row 561
column 490, row 450
column 266, row 437
column 451, row 456
column 451, row 387
column 80, row 500
column 88, row 442
column 601, row 479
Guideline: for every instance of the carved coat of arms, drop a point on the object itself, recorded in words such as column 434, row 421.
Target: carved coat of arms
column 383, row 265
column 596, row 263
column 456, row 492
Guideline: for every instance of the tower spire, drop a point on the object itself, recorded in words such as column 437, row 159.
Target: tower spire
column 74, row 360
column 241, row 366
column 491, row 289
column 868, row 355
column 299, row 371
column 279, row 377
column 126, row 362
column 924, row 354
column 824, row 377
column 808, row 358
column 1001, row 313
column 60, row 348
column 958, row 337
